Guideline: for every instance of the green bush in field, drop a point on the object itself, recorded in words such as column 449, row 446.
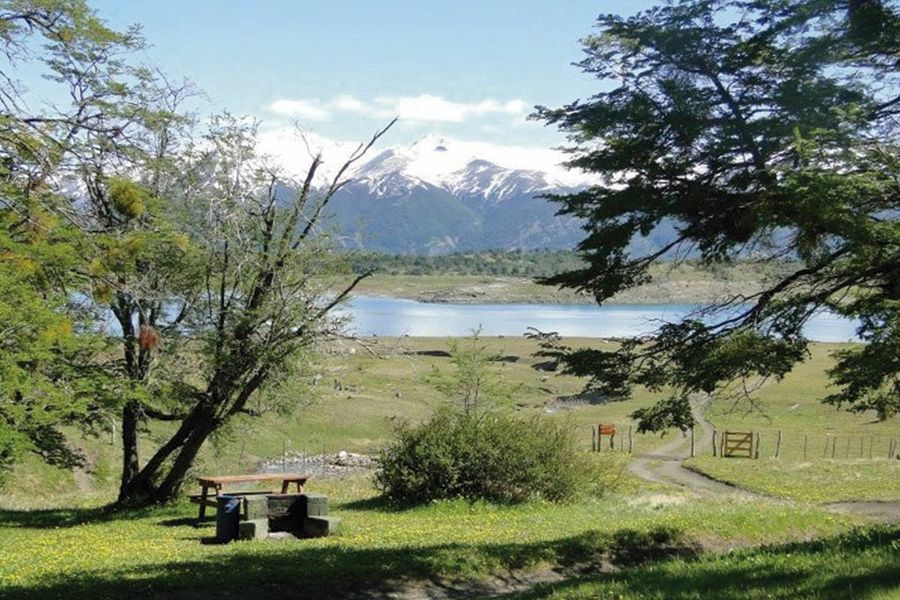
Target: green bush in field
column 492, row 456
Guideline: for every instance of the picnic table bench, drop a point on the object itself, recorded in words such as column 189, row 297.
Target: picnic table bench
column 218, row 482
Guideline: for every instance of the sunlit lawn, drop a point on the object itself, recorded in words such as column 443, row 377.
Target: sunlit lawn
column 814, row 481
column 85, row 553
column 826, row 454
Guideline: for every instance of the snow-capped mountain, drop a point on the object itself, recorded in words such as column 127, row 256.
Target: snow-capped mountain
column 474, row 168
column 441, row 195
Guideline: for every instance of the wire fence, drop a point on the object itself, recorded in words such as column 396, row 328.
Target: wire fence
column 787, row 445
column 804, row 446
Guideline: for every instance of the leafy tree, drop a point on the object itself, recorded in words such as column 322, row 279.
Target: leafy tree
column 757, row 128
column 41, row 386
column 48, row 372
column 266, row 291
column 142, row 266
column 189, row 244
column 68, row 160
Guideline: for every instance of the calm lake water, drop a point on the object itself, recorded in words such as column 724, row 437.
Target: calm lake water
column 396, row 317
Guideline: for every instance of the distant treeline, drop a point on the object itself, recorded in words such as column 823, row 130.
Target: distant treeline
column 510, row 263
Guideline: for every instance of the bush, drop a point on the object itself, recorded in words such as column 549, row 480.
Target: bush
column 492, row 456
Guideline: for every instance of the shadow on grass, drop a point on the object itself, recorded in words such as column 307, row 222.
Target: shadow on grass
column 381, row 503
column 299, row 569
column 54, row 518
column 377, row 503
column 861, row 564
column 185, row 521
column 71, row 517
column 304, row 569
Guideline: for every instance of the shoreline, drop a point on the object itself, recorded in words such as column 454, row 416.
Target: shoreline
column 472, row 289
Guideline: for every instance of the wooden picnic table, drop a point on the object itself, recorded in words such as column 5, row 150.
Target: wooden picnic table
column 218, row 482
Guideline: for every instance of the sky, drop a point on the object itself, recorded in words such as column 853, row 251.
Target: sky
column 470, row 70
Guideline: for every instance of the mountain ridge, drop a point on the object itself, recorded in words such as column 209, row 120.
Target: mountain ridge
column 439, row 195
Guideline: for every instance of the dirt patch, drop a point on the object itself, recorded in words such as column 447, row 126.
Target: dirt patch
column 491, row 587
column 889, row 512
column 658, row 500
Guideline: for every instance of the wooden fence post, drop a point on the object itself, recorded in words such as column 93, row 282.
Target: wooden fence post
column 805, row 444
column 847, row 452
column 833, row 445
column 630, row 441
column 757, row 445
column 714, row 443
column 778, row 445
column 593, row 439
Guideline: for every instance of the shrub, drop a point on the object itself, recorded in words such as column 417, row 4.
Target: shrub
column 492, row 456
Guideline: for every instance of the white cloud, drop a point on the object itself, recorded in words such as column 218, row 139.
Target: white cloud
column 424, row 108
column 304, row 109
column 349, row 104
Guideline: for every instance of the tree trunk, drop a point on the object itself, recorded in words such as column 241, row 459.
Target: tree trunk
column 130, row 465
column 170, row 487
column 131, row 411
column 154, row 483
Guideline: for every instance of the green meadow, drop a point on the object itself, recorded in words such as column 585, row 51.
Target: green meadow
column 626, row 538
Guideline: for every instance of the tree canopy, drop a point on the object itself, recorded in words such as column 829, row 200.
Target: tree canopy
column 758, row 129
column 48, row 374
column 151, row 268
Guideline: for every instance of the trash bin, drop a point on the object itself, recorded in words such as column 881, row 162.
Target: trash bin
column 228, row 516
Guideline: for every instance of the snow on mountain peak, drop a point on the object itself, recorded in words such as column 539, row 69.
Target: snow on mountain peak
column 458, row 166
column 474, row 168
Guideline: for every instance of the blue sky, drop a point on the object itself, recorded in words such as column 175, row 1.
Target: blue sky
column 463, row 69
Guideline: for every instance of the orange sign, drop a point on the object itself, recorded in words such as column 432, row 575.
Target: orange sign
column 606, row 429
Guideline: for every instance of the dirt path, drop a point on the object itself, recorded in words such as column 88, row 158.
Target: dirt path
column 666, row 465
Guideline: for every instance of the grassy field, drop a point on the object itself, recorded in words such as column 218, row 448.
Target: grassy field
column 683, row 283
column 360, row 396
column 595, row 547
column 825, row 452
column 862, row 565
column 358, row 400
column 88, row 554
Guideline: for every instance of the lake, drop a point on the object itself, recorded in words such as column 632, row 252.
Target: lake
column 397, row 317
